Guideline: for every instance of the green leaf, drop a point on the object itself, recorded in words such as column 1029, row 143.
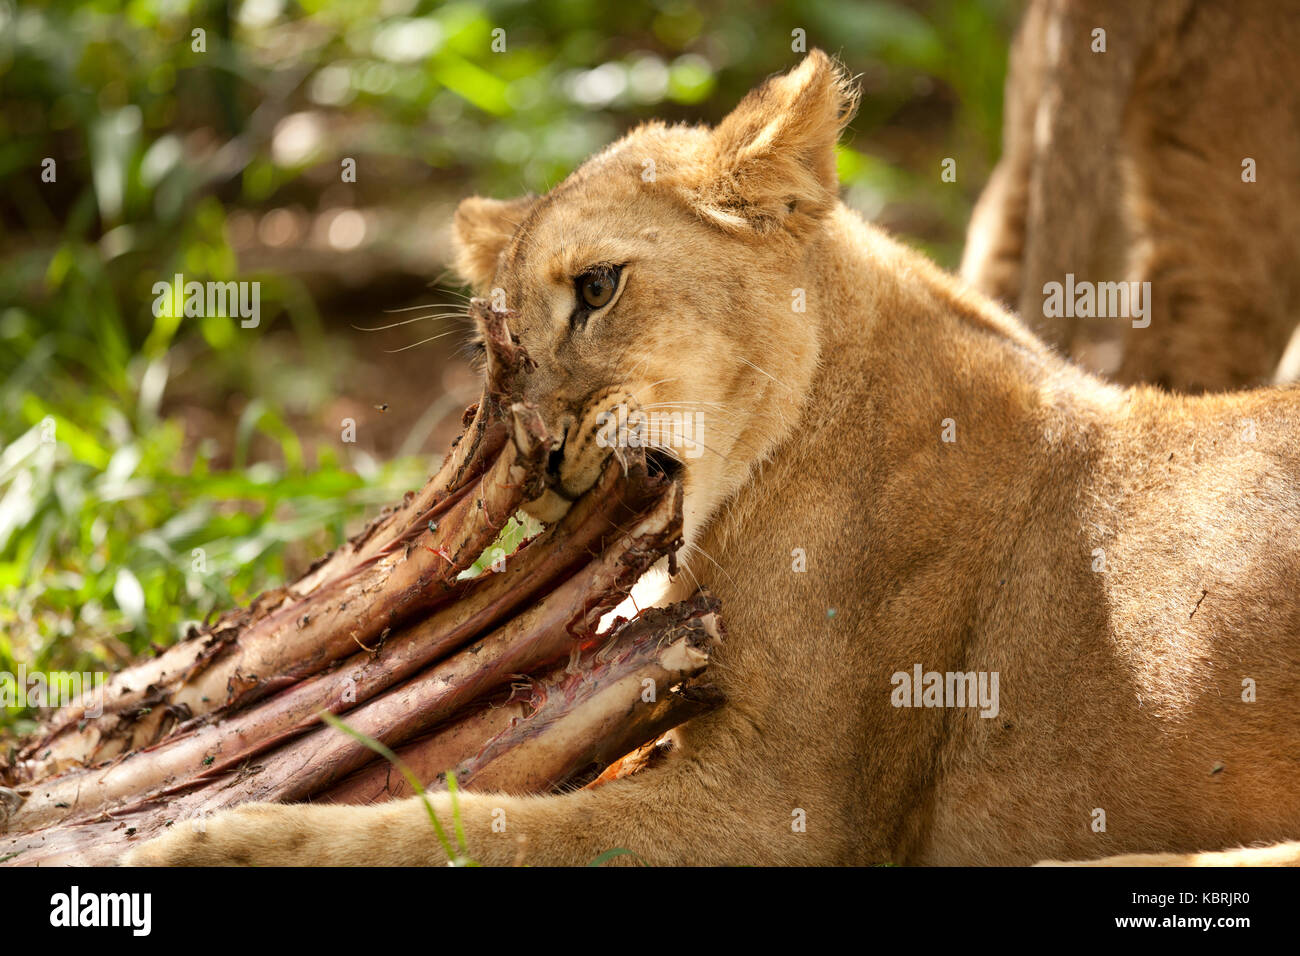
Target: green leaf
column 611, row 854
column 456, row 858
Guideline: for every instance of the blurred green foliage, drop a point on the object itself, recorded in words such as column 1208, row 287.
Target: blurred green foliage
column 162, row 118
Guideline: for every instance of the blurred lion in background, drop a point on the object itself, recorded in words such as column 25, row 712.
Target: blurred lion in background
column 1155, row 142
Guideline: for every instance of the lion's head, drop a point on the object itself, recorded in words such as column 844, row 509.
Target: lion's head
column 665, row 288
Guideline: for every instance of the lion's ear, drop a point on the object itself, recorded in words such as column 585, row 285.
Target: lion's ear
column 480, row 232
column 772, row 160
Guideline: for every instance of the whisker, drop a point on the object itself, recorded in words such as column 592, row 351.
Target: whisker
column 694, row 441
column 412, row 308
column 636, row 369
column 697, row 548
column 662, row 381
column 441, row 280
column 683, row 405
column 418, row 318
column 683, row 566
column 667, row 450
column 765, row 372
column 423, row 341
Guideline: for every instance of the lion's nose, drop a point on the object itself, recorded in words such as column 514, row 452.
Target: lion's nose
column 556, row 458
column 553, row 461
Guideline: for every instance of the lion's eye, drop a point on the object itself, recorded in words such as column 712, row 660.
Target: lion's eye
column 597, row 288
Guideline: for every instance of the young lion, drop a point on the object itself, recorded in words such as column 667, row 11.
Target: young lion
column 1116, row 565
column 1155, row 142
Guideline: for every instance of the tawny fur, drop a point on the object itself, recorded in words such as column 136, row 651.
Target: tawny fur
column 1120, row 689
column 1127, row 164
